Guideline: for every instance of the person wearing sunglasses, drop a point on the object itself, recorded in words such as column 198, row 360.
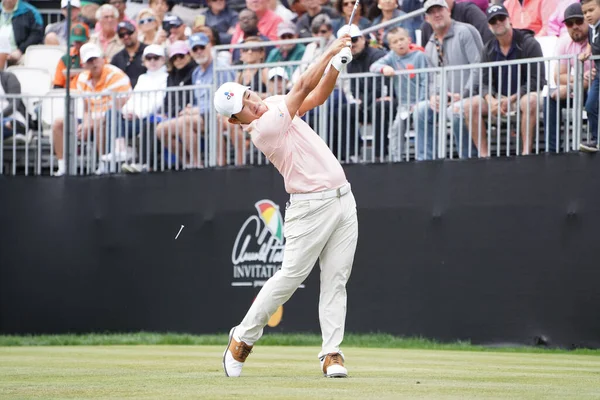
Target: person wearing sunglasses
column 136, row 116
column 344, row 9
column 147, row 26
column 286, row 52
column 513, row 88
column 130, row 59
column 574, row 43
column 181, row 67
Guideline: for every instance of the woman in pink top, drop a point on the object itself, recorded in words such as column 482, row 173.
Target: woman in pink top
column 320, row 219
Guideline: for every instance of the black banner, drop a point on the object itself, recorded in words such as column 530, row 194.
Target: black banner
column 492, row 251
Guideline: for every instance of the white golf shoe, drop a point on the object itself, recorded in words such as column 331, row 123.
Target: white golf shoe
column 332, row 365
column 234, row 356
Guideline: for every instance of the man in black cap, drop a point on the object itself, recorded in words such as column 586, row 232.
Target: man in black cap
column 573, row 43
column 129, row 60
column 174, row 28
column 508, row 90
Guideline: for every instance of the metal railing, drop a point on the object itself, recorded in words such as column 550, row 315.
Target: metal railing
column 368, row 118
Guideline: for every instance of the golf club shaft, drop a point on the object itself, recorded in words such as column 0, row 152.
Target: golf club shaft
column 344, row 59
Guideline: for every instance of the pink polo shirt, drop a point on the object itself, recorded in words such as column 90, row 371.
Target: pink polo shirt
column 299, row 154
column 566, row 45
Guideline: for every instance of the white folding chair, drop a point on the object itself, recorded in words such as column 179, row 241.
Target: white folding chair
column 42, row 56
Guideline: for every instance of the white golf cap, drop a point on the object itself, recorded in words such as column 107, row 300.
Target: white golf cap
column 74, row 3
column 228, row 98
column 278, row 71
column 353, row 30
column 89, row 50
column 154, row 49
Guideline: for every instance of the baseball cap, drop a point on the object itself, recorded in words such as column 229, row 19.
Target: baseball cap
column 573, row 11
column 286, row 27
column 278, row 71
column 228, row 98
column 79, row 33
column 155, row 49
column 432, row 3
column 198, row 39
column 353, row 30
column 171, row 21
column 89, row 50
column 178, row 47
column 74, row 3
column 495, row 10
column 126, row 25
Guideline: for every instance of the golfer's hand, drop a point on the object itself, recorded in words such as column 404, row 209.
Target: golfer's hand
column 339, row 44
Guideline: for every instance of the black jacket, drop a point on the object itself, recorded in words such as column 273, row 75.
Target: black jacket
column 27, row 26
column 11, row 85
column 176, row 101
column 468, row 13
column 361, row 63
column 526, row 46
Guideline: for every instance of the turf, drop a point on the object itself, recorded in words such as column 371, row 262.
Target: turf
column 288, row 372
column 376, row 340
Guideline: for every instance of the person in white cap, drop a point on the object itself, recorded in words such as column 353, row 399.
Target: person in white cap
column 145, row 101
column 320, row 218
column 278, row 80
column 56, row 33
column 97, row 77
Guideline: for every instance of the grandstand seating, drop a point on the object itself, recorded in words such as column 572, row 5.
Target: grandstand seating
column 45, row 57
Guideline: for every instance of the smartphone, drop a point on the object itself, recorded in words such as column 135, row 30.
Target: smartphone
column 200, row 20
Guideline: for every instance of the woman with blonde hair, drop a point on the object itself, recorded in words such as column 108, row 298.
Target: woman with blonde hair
column 147, row 26
column 252, row 77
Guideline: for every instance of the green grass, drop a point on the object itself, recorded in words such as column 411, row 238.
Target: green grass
column 375, row 340
column 289, row 372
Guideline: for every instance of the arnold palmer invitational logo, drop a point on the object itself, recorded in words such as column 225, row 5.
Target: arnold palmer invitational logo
column 258, row 247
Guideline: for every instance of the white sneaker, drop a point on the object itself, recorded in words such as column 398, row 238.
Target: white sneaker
column 332, row 365
column 234, row 356
column 59, row 172
column 102, row 168
column 120, row 156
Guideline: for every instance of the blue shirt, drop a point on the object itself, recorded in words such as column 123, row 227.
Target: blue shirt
column 222, row 22
column 199, row 77
column 504, row 88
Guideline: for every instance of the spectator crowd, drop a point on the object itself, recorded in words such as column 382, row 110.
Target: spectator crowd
column 133, row 49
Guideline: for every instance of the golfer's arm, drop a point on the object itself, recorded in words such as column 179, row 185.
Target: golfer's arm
column 321, row 92
column 307, row 83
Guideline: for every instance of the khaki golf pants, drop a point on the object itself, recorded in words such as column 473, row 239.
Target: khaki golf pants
column 324, row 229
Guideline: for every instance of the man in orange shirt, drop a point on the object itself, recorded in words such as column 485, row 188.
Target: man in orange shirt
column 79, row 35
column 98, row 77
column 531, row 14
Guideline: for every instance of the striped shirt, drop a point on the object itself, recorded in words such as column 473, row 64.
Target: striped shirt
column 111, row 80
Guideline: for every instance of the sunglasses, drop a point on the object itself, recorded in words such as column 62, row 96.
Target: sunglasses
column 500, row 18
column 256, row 49
column 571, row 22
column 355, row 39
column 147, row 20
column 320, row 31
column 152, row 58
column 178, row 57
column 198, row 48
column 287, row 36
column 167, row 26
column 123, row 34
column 348, row 3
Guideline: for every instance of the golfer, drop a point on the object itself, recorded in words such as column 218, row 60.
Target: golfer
column 320, row 219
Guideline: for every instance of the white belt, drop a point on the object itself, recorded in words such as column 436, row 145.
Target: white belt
column 324, row 195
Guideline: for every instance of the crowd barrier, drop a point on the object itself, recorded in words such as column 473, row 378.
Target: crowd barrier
column 368, row 118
